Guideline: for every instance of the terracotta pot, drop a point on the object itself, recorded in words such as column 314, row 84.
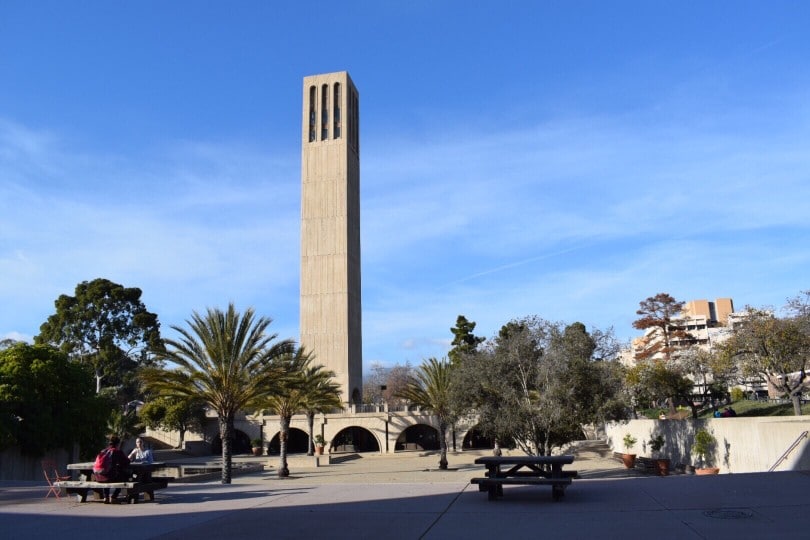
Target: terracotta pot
column 257, row 450
column 708, row 470
column 319, row 450
column 663, row 466
column 629, row 460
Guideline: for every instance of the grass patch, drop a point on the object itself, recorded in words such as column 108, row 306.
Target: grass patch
column 744, row 407
column 749, row 408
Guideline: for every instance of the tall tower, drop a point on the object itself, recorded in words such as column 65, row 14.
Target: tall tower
column 330, row 229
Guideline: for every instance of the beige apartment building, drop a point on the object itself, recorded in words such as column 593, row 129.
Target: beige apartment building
column 330, row 317
column 706, row 323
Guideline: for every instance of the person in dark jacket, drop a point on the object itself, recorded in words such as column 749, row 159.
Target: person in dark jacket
column 119, row 470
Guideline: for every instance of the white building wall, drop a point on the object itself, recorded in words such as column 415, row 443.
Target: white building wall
column 743, row 444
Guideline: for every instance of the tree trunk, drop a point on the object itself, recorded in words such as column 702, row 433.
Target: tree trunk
column 284, row 432
column 310, row 423
column 442, row 445
column 225, row 430
column 796, row 398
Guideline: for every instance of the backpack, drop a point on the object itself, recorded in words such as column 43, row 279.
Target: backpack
column 103, row 464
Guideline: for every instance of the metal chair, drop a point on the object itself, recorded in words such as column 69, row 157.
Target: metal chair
column 51, row 472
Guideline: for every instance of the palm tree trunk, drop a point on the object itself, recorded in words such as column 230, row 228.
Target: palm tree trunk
column 225, row 430
column 310, row 423
column 283, row 470
column 442, row 445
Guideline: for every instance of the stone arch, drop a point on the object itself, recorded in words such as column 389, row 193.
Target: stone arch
column 354, row 439
column 475, row 440
column 240, row 443
column 297, row 442
column 418, row 437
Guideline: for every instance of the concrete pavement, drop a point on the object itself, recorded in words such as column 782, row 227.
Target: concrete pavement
column 407, row 497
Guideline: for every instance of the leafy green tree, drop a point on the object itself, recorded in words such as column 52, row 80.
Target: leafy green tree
column 106, row 326
column 713, row 370
column 657, row 313
column 124, row 423
column 464, row 341
column 654, row 381
column 775, row 349
column 431, row 389
column 595, row 380
column 224, row 359
column 537, row 382
column 174, row 414
column 47, row 402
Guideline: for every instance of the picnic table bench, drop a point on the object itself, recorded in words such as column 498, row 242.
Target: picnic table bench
column 525, row 470
column 131, row 489
column 140, row 481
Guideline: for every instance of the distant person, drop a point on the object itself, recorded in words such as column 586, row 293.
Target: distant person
column 140, row 454
column 730, row 412
column 111, row 466
column 662, row 415
column 718, row 414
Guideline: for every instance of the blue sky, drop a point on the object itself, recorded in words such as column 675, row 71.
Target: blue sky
column 560, row 159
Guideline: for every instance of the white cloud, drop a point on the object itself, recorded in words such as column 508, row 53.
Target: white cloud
column 574, row 219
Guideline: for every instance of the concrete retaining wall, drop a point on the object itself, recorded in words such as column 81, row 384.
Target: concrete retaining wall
column 16, row 466
column 743, row 444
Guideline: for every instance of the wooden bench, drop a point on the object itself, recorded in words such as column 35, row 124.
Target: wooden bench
column 494, row 486
column 131, row 489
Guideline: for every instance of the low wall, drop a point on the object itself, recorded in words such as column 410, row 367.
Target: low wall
column 743, row 444
column 16, row 466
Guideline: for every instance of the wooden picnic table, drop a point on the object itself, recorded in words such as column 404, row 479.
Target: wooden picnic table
column 139, row 480
column 525, row 470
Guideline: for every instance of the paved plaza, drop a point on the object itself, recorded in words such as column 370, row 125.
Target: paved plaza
column 405, row 496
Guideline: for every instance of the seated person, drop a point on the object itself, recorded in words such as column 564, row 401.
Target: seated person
column 140, row 454
column 112, row 465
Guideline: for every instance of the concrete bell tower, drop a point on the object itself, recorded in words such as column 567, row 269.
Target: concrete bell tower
column 331, row 322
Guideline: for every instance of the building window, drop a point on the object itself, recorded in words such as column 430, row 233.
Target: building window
column 312, row 102
column 336, row 113
column 324, row 112
column 354, row 122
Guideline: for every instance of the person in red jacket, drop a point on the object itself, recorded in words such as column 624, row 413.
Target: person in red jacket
column 117, row 470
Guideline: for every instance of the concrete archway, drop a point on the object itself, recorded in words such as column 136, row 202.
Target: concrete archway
column 418, row 437
column 354, row 439
column 240, row 443
column 296, row 443
column 475, row 440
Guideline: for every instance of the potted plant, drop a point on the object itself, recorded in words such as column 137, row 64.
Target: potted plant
column 629, row 459
column 256, row 445
column 656, row 443
column 320, row 442
column 703, row 447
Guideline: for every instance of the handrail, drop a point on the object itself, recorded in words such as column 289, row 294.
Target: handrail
column 792, row 447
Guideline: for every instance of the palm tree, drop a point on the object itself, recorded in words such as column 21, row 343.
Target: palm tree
column 321, row 394
column 226, row 360
column 287, row 399
column 430, row 388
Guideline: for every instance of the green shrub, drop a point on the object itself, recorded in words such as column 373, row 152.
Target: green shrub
column 629, row 442
column 737, row 394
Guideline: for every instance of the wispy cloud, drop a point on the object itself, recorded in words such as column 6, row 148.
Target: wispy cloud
column 572, row 218
column 202, row 223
